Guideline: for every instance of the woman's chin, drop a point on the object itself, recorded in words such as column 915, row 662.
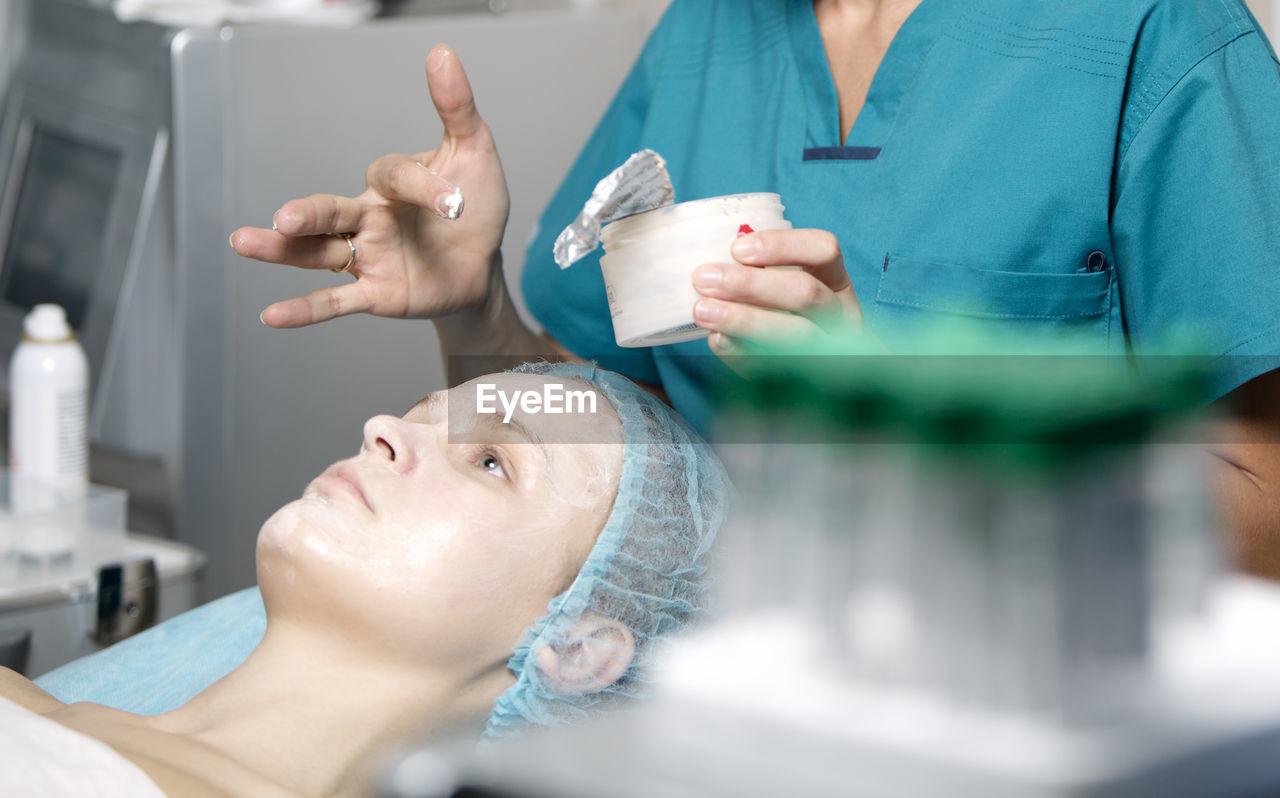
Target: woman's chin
column 285, row 532
column 306, row 534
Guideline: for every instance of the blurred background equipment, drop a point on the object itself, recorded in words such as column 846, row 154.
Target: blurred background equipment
column 214, row 12
column 100, row 585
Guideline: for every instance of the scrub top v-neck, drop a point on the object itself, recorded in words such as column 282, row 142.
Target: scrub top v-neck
column 1101, row 168
column 875, row 119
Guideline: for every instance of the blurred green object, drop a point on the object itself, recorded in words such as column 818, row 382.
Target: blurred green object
column 1049, row 405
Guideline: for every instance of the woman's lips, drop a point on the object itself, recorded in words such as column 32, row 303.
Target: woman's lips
column 344, row 478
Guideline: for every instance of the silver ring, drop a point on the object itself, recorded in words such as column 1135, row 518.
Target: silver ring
column 351, row 261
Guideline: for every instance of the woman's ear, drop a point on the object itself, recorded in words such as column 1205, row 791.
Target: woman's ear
column 595, row 654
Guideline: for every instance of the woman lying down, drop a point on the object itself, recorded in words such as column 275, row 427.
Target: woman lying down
column 458, row 573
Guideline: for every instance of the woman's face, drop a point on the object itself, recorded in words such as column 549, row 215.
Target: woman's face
column 450, row 530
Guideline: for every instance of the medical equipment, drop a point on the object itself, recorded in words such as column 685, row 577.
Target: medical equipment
column 947, row 576
column 218, row 12
column 984, row 528
column 158, row 142
column 105, row 585
column 645, row 571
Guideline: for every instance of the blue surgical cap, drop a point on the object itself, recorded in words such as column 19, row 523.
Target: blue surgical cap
column 647, row 568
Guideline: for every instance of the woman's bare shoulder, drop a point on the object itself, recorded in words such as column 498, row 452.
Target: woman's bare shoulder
column 180, row 770
column 179, row 764
column 23, row 692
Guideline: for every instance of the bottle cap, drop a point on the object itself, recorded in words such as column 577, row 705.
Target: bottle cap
column 47, row 322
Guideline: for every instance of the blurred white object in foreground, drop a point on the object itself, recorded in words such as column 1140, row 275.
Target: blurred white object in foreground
column 1206, row 723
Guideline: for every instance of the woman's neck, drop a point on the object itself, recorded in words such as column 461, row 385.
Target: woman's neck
column 868, row 8
column 856, row 34
column 314, row 718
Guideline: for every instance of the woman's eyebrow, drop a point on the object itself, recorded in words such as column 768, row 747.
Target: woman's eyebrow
column 429, row 404
column 495, row 423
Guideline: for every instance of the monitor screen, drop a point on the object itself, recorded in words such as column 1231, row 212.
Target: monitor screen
column 59, row 230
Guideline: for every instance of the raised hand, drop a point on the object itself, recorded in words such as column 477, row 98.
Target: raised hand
column 425, row 233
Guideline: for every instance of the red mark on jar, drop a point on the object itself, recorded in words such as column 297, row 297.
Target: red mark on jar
column 744, row 229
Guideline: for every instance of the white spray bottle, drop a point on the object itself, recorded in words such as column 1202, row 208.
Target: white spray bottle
column 49, row 403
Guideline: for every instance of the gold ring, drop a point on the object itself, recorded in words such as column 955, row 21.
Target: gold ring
column 351, row 261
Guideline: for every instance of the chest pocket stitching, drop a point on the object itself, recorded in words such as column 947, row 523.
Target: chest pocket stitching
column 1099, row 310
column 979, row 314
column 1111, row 292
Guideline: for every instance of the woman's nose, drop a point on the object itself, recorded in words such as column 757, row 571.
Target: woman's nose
column 386, row 438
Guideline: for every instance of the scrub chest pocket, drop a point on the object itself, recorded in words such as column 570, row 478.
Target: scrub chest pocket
column 915, row 296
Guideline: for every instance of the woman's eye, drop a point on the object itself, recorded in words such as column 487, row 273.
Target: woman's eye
column 492, row 465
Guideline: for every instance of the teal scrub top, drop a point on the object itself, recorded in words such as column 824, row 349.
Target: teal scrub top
column 1108, row 167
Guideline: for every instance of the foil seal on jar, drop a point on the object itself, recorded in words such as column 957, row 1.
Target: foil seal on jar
column 640, row 184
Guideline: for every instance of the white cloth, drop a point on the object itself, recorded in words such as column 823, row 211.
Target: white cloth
column 41, row 758
column 208, row 13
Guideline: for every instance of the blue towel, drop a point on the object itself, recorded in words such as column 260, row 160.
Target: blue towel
column 165, row 666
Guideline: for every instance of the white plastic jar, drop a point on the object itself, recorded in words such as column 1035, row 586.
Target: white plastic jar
column 649, row 259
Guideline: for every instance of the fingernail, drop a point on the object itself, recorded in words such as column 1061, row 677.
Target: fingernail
column 437, row 58
column 273, row 223
column 707, row 276
column 450, row 205
column 708, row 311
column 231, row 239
column 721, row 343
column 262, row 319
column 745, row 247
